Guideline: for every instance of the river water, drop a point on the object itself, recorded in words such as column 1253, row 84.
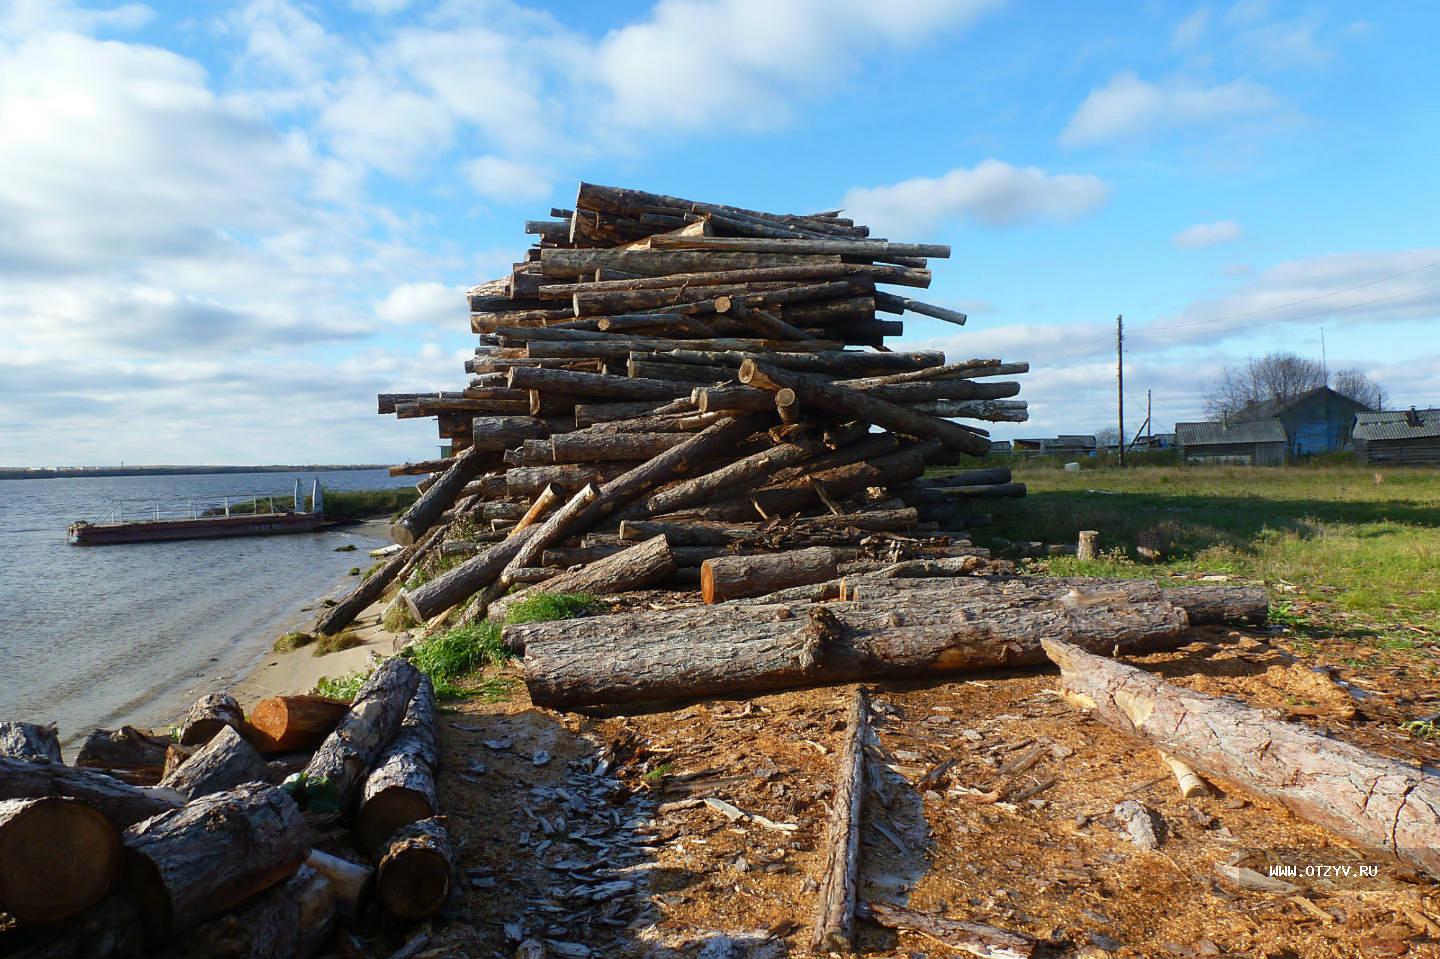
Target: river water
column 109, row 635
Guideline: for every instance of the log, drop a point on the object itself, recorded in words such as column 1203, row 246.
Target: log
column 835, row 915
column 639, row 566
column 125, row 753
column 894, row 629
column 588, row 414
column 872, row 249
column 341, row 763
column 975, row 938
column 599, row 385
column 994, row 411
column 966, row 370
column 787, row 406
column 30, row 742
column 210, row 714
column 575, row 263
column 900, row 276
column 426, row 510
column 492, row 433
column 225, row 762
column 985, row 477
column 618, row 200
column 569, row 477
column 891, row 303
column 401, row 789
column 931, row 391
column 119, row 802
column 733, row 577
column 821, row 362
column 611, row 447
column 555, row 528
column 370, row 589
column 454, row 587
column 1369, row 799
column 557, row 559
column 993, row 491
column 58, row 857
column 190, row 864
column 748, row 398
column 290, row 920
column 415, row 867
column 1088, row 546
column 288, row 724
column 739, row 474
column 349, row 881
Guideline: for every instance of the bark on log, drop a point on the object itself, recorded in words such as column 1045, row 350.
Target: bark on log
column 529, row 480
column 555, row 528
column 872, row 249
column 930, row 391
column 958, row 625
column 965, row 370
column 748, row 398
column 992, row 411
column 994, row 491
column 288, row 724
column 414, row 871
column 588, row 414
column 290, row 920
column 119, row 802
column 727, row 479
column 455, row 586
column 492, row 433
column 401, row 789
column 575, row 263
column 822, row 362
column 342, row 761
column 210, row 714
column 426, row 510
column 734, row 577
column 126, row 753
column 891, row 303
column 225, row 762
column 635, row 568
column 30, row 742
column 985, row 477
column 550, row 497
column 613, row 447
column 599, row 385
column 58, row 857
column 1372, row 800
column 557, row 559
column 190, row 864
column 975, row 938
column 901, row 276
column 835, row 914
column 349, row 881
column 355, row 602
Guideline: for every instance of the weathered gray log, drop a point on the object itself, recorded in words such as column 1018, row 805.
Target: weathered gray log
column 401, row 789
column 414, row 873
column 985, row 477
column 873, row 249
column 562, row 558
column 574, row 263
column 964, row 370
column 727, row 479
column 30, row 742
column 190, row 864
column 350, row 882
column 621, row 200
column 835, row 914
column 611, row 447
column 900, row 276
column 290, row 920
column 569, row 477
column 286, row 724
column 748, row 398
column 491, row 433
column 120, row 802
column 426, row 510
column 974, row 938
column 588, row 414
column 931, row 391
column 341, row 763
column 342, row 614
column 1372, row 800
column 891, row 303
column 994, row 411
column 58, row 857
column 225, row 762
column 126, row 753
column 822, row 362
column 639, row 566
column 733, row 577
column 210, row 714
column 892, row 630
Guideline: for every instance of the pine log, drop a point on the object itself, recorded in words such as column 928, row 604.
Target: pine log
column 890, row 631
column 841, row 482
column 872, row 249
column 928, row 391
column 678, row 372
column 119, row 802
column 984, row 477
column 225, row 762
column 563, row 558
column 414, row 873
column 835, row 914
column 994, row 411
column 588, row 414
column 732, row 577
column 401, row 789
column 426, row 510
column 726, row 479
column 993, row 491
column 900, row 276
column 126, row 753
column 965, row 370
column 58, row 857
column 891, row 303
column 787, row 406
column 612, row 447
column 455, row 586
column 618, row 346
column 557, row 527
column 341, row 763
column 575, row 263
column 597, row 385
column 568, row 477
column 349, row 881
column 30, row 742
column 370, row 589
column 287, row 724
column 975, row 938
column 190, row 864
column 821, row 362
column 210, row 714
column 828, row 313
column 502, row 432
column 748, row 398
column 593, row 196
column 550, row 497
column 290, row 920
column 635, row 568
column 111, row 928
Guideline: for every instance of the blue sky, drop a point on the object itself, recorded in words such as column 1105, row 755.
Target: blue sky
column 224, row 228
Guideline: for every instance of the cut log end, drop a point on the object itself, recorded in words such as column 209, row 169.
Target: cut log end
column 415, row 868
column 58, row 857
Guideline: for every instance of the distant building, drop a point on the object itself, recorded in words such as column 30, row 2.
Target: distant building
column 1259, row 443
column 1000, row 446
column 1399, row 436
column 1316, row 421
column 1066, row 444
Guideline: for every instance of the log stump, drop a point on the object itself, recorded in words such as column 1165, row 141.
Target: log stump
column 30, row 742
column 289, row 724
column 58, row 857
column 211, row 713
column 413, row 877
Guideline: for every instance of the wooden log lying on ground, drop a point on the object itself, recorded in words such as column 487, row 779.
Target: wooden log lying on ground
column 290, row 920
column 639, row 566
column 732, row 577
column 894, row 629
column 223, row 763
column 125, row 753
column 974, row 938
column 424, row 512
column 349, row 881
column 835, row 913
column 287, row 724
column 343, row 613
column 454, row 587
column 341, row 763
column 414, row 871
column 190, row 864
column 993, row 491
column 210, row 714
column 30, row 742
column 1369, row 799
column 401, row 789
column 58, row 857
column 982, row 477
column 119, row 802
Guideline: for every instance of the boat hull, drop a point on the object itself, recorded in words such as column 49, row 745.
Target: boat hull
column 210, row 527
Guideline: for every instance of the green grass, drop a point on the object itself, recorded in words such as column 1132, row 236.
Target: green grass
column 397, row 618
column 289, row 642
column 343, row 687
column 325, row 645
column 542, row 607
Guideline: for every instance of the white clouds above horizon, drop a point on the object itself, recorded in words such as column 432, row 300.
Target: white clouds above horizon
column 1128, row 107
column 1206, row 234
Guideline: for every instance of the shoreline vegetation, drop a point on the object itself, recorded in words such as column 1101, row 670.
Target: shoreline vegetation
column 71, row 472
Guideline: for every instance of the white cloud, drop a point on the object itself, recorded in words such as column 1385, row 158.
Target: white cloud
column 1189, row 31
column 1206, row 234
column 509, row 180
column 1128, row 106
column 428, row 303
column 992, row 193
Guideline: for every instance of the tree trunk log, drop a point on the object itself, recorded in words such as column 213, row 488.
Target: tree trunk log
column 555, row 528
column 635, row 568
column 967, row 370
column 401, row 790
column 891, row 303
column 734, row 577
column 900, row 276
column 492, row 433
column 613, row 447
column 993, row 411
column 349, row 881
column 747, row 398
column 575, row 263
column 210, row 714
column 975, row 938
column 58, row 857
column 188, row 865
column 870, row 249
column 29, row 742
column 126, row 753
column 995, row 491
column 343, row 760
column 343, row 613
column 588, row 414
column 223, row 763
column 119, row 802
column 288, row 724
column 413, row 877
column 426, row 510
column 455, row 586
column 600, row 385
column 835, row 915
column 530, row 480
column 290, row 920
column 727, row 479
column 1369, row 799
column 985, row 477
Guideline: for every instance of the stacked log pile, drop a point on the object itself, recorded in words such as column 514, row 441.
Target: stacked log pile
column 199, row 848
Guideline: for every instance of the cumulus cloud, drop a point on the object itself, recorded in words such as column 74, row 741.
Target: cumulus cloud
column 1128, row 106
column 1206, row 234
column 992, row 193
column 500, row 179
column 424, row 303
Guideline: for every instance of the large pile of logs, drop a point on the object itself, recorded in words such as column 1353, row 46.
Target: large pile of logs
column 711, row 374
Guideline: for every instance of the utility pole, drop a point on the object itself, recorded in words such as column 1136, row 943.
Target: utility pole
column 1324, row 362
column 1148, row 424
column 1120, row 380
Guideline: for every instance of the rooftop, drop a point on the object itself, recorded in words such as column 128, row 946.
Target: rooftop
column 1211, row 434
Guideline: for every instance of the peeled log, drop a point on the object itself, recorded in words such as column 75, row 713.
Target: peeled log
column 413, row 877
column 635, row 568
column 342, row 761
column 959, row 625
column 426, row 510
column 58, row 857
column 190, row 864
column 733, row 577
column 210, row 714
column 120, row 802
column 289, row 724
column 1369, row 799
column 30, row 742
column 125, row 753
column 401, row 789
column 835, row 917
column 223, row 763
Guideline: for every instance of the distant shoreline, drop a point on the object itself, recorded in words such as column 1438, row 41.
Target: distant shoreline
column 71, row 472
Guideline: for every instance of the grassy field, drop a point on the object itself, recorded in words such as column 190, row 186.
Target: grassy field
column 1346, row 550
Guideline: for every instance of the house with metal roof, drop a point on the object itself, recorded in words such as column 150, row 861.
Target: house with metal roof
column 1316, row 421
column 1401, row 437
column 1253, row 443
column 1066, row 444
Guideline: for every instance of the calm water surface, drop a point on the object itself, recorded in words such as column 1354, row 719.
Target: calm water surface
column 107, row 635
